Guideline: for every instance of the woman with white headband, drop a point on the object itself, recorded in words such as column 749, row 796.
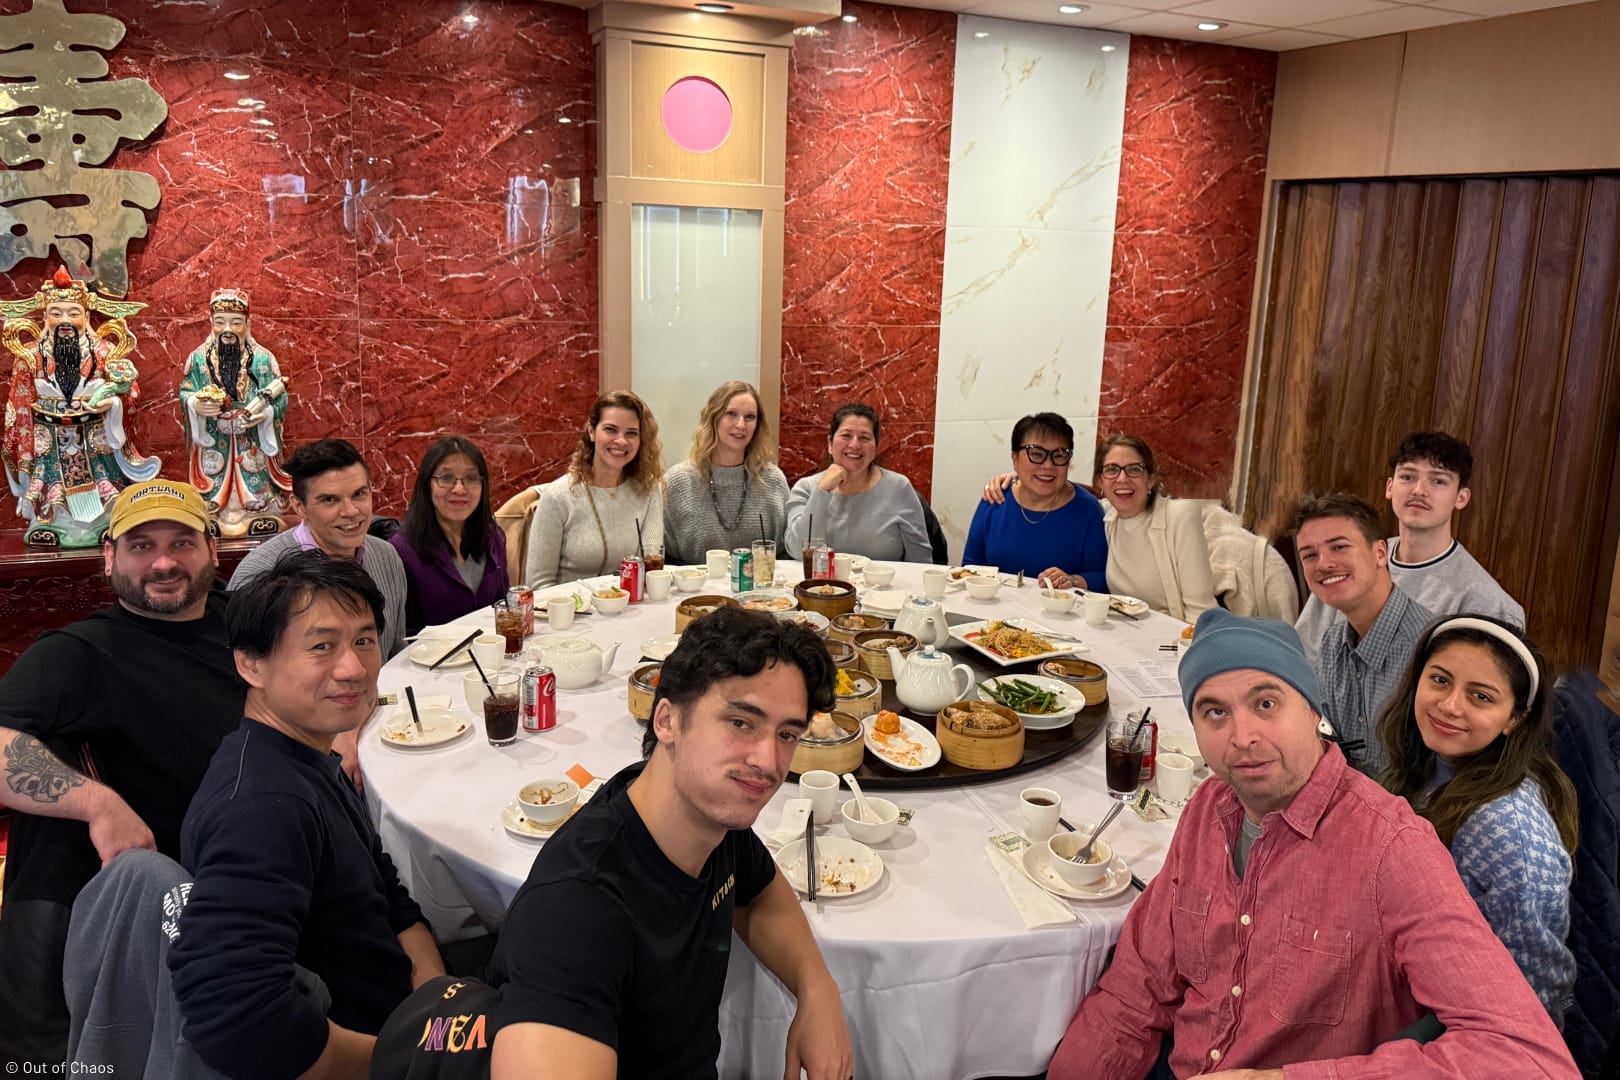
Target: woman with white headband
column 1471, row 746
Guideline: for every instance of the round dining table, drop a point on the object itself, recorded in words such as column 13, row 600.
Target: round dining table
column 941, row 976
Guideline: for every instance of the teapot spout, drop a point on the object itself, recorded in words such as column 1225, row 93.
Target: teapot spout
column 897, row 662
column 607, row 657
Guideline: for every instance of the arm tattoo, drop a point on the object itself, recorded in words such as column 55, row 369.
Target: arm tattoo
column 34, row 771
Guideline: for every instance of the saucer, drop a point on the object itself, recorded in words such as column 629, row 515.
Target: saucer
column 517, row 824
column 1038, row 865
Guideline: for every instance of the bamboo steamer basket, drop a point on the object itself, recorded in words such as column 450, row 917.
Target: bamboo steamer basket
column 973, row 748
column 693, row 608
column 844, row 627
column 843, row 601
column 861, row 704
column 841, row 755
column 843, row 655
column 874, row 659
column 1088, row 678
column 643, row 691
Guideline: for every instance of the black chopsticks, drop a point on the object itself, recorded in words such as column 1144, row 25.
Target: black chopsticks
column 811, row 870
column 466, row 641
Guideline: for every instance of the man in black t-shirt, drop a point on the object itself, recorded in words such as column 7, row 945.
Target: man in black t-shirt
column 106, row 728
column 613, row 955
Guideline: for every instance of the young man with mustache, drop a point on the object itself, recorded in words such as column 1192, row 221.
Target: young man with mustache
column 106, row 729
column 1428, row 483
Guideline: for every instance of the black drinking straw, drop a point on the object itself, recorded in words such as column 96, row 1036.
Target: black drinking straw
column 762, row 535
column 641, row 548
column 1140, row 724
column 481, row 674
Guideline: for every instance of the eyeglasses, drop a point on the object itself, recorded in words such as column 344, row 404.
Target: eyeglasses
column 1135, row 470
column 447, row 481
column 1038, row 454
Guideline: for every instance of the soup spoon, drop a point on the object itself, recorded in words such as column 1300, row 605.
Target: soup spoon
column 861, row 807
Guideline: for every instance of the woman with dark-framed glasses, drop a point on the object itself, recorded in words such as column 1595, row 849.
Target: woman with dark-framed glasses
column 1050, row 529
column 1156, row 547
column 454, row 556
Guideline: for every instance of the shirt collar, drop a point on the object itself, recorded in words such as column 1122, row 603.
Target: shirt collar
column 1381, row 636
column 1305, row 812
column 306, row 542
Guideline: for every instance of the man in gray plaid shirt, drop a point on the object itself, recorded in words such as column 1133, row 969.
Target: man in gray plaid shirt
column 1345, row 559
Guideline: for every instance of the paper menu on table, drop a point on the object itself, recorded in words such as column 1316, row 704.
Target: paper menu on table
column 1146, row 678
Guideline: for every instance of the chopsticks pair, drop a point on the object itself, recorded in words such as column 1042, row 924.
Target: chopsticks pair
column 1136, row 883
column 812, row 870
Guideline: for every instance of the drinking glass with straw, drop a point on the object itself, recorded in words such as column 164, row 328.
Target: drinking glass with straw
column 764, row 554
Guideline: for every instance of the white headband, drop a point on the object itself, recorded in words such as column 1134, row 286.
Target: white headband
column 1506, row 637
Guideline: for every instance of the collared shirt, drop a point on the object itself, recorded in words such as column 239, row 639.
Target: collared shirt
column 1349, row 924
column 307, row 542
column 1359, row 676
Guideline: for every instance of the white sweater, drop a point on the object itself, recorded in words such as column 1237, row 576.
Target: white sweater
column 564, row 541
column 1160, row 557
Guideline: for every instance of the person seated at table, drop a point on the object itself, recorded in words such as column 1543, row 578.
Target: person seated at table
column 1304, row 915
column 729, row 492
column 613, row 954
column 1156, row 547
column 1050, row 529
column 1469, row 735
column 331, row 492
column 610, row 502
column 454, row 556
column 288, row 870
column 855, row 505
column 1345, row 561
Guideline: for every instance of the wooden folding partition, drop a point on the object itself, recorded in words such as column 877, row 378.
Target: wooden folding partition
column 1483, row 306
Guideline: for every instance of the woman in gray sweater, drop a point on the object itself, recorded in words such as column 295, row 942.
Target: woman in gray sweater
column 856, row 506
column 729, row 492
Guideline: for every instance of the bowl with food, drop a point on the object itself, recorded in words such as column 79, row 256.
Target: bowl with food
column 548, row 800
column 812, row 621
column 610, row 601
column 857, row 693
column 772, row 601
column 1042, row 703
column 1057, row 601
column 1063, row 847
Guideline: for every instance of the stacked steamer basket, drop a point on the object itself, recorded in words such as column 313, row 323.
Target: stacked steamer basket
column 825, row 597
column 840, row 754
column 698, row 606
column 1088, row 678
column 872, row 650
column 980, row 735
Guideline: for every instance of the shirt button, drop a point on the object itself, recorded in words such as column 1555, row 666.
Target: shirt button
column 1214, row 1055
column 1237, row 991
column 1245, row 920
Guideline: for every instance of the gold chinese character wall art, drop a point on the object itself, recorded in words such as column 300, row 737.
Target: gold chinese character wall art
column 67, row 451
column 55, row 128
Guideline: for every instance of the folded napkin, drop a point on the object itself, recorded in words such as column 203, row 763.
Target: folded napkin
column 1036, row 906
column 795, row 815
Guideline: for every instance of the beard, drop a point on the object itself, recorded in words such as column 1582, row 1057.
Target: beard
column 68, row 354
column 133, row 593
column 229, row 354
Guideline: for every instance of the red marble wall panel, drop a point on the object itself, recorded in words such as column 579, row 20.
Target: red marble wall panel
column 1192, row 178
column 868, row 162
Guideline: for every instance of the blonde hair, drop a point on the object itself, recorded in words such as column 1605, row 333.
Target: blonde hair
column 646, row 469
column 761, row 449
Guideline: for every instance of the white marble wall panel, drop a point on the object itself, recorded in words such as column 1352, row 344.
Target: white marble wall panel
column 1034, row 180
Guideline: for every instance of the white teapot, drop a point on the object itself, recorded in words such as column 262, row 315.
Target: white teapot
column 924, row 619
column 578, row 663
column 926, row 681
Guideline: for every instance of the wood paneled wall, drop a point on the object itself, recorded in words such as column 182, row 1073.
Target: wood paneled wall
column 1486, row 307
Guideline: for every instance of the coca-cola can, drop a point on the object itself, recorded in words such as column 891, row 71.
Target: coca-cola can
column 1149, row 740
column 537, row 698
column 521, row 598
column 630, row 575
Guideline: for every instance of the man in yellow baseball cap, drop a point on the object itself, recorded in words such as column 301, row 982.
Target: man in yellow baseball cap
column 158, row 500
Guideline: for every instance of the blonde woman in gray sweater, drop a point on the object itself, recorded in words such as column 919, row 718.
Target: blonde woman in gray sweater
column 729, row 492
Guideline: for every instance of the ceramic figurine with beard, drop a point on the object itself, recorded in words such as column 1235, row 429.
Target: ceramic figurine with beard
column 234, row 400
column 67, row 449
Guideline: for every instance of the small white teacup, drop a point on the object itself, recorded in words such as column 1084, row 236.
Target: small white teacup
column 659, row 582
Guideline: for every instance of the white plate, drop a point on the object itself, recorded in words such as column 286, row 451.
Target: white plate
column 1064, row 647
column 517, row 824
column 1070, row 701
column 439, row 726
column 1038, row 865
column 659, row 648
column 927, row 756
column 886, row 600
column 952, row 581
column 429, row 651
column 1128, row 606
column 848, row 867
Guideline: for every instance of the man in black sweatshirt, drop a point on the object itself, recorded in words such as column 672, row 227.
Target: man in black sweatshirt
column 288, row 868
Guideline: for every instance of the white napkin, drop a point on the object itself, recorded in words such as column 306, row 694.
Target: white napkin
column 1034, row 905
column 795, row 815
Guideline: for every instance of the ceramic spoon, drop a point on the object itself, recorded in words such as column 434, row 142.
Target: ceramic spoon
column 865, row 812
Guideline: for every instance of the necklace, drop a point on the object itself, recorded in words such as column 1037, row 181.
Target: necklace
column 729, row 526
column 1044, row 513
column 600, row 531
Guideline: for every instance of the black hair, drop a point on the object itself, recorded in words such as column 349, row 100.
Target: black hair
column 260, row 611
column 732, row 643
column 855, row 408
column 321, row 456
column 421, row 524
column 1042, row 423
column 1440, row 449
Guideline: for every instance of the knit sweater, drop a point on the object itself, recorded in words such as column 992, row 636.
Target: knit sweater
column 564, row 541
column 1509, row 856
column 885, row 522
column 378, row 557
column 723, row 513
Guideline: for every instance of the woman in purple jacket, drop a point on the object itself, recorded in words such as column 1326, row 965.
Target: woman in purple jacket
column 454, row 556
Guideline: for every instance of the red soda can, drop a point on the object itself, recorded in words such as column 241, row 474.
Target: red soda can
column 1150, row 753
column 521, row 598
column 537, row 700
column 630, row 574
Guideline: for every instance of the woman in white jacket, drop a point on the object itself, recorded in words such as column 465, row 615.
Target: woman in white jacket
column 1156, row 548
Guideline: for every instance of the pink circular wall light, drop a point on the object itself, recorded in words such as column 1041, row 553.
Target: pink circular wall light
column 696, row 114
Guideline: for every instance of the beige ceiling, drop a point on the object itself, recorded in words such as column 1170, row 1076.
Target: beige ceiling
column 1255, row 24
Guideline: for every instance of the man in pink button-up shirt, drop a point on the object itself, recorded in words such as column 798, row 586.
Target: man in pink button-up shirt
column 1304, row 915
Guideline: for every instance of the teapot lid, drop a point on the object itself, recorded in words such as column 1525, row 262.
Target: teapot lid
column 929, row 653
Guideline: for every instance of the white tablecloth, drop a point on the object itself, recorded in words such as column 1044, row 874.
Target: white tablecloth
column 940, row 978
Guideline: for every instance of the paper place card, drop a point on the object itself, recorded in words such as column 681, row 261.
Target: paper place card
column 1146, row 678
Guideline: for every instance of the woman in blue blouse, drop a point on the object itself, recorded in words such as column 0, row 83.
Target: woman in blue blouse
column 1050, row 529
column 1471, row 746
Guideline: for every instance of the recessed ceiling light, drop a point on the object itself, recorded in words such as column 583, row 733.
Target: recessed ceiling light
column 1109, row 48
column 237, row 75
column 1071, row 9
column 849, row 18
column 981, row 33
column 714, row 9
column 1207, row 26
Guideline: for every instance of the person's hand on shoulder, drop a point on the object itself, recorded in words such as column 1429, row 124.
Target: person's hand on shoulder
column 818, row 1039
column 993, row 491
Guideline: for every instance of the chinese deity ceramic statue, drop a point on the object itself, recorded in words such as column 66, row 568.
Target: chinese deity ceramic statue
column 67, row 448
column 234, row 400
